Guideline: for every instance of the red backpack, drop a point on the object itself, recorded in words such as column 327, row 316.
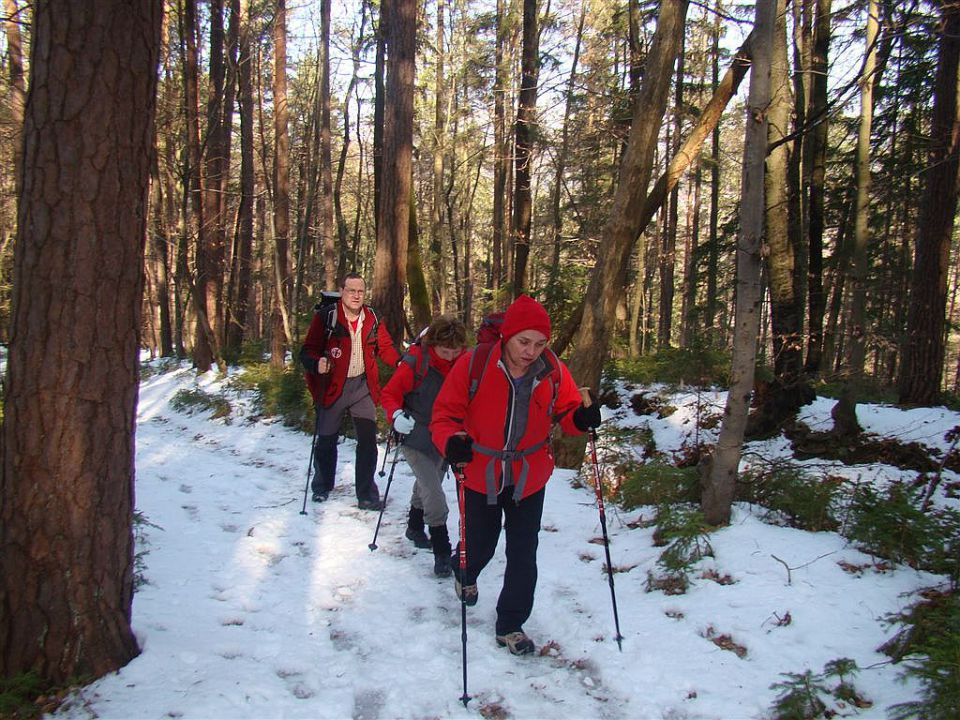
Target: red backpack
column 488, row 334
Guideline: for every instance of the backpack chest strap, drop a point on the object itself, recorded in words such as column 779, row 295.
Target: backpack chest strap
column 504, row 457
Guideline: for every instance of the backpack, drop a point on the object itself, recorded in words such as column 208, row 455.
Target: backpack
column 480, row 358
column 421, row 365
column 327, row 308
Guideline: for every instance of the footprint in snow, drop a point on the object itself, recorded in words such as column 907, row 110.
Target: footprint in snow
column 367, row 704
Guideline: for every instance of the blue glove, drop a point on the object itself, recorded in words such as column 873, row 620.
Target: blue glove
column 403, row 423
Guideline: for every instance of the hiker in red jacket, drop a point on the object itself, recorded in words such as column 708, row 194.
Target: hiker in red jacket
column 495, row 425
column 408, row 401
column 339, row 357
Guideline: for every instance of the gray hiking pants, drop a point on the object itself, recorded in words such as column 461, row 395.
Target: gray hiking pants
column 429, row 469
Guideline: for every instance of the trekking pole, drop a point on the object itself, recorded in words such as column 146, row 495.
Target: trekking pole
column 386, row 452
column 313, row 449
column 462, row 556
column 386, row 492
column 587, row 401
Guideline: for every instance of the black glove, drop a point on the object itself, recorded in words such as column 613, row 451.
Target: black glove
column 459, row 449
column 587, row 418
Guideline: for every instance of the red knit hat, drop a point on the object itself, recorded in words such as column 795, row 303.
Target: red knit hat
column 525, row 313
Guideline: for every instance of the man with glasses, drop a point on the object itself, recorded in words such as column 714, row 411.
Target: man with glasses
column 339, row 355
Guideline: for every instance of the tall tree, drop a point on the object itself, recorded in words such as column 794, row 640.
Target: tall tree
column 814, row 163
column 860, row 266
column 237, row 312
column 393, row 229
column 18, row 88
column 280, row 325
column 523, row 145
column 66, row 492
column 328, row 234
column 622, row 227
column 500, row 151
column 923, row 351
column 720, row 471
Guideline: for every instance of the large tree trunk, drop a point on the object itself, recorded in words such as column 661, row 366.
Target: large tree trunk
column 210, row 256
column 815, row 162
column 67, row 488
column 719, row 473
column 922, row 369
column 788, row 392
column 523, row 149
column 280, row 325
column 237, row 312
column 622, row 227
column 390, row 264
column 860, row 266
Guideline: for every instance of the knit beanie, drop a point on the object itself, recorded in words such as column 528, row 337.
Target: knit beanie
column 525, row 313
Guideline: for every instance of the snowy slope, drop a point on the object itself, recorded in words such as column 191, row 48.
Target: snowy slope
column 252, row 610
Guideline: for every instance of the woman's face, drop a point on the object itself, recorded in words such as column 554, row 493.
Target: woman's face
column 521, row 350
column 448, row 353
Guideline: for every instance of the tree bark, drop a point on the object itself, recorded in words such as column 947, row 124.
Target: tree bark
column 280, row 331
column 523, row 146
column 622, row 227
column 922, row 371
column 860, row 266
column 67, row 486
column 815, row 162
column 719, row 473
column 390, row 264
column 237, row 311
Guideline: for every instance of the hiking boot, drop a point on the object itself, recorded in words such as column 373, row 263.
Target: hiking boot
column 441, row 566
column 468, row 593
column 415, row 531
column 440, row 541
column 516, row 642
column 320, row 496
column 370, row 505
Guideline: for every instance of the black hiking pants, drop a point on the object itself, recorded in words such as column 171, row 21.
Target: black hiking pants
column 356, row 400
column 522, row 524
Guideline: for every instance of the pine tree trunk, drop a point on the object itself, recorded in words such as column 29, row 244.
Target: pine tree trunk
column 238, row 311
column 390, row 264
column 815, row 159
column 280, row 333
column 860, row 264
column 719, row 473
column 67, row 488
column 922, row 371
column 622, row 227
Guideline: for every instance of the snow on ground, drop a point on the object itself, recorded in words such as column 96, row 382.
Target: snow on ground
column 253, row 610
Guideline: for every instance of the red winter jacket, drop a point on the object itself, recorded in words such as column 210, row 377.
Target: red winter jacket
column 336, row 344
column 487, row 419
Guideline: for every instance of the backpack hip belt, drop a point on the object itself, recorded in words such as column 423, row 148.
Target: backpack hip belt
column 505, row 456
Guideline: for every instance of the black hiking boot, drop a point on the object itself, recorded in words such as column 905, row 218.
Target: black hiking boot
column 440, row 540
column 320, row 496
column 415, row 531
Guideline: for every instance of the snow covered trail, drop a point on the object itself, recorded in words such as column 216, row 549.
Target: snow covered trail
column 252, row 610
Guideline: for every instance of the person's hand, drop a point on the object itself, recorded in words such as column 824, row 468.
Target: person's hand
column 459, row 449
column 587, row 417
column 403, row 423
column 323, row 365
